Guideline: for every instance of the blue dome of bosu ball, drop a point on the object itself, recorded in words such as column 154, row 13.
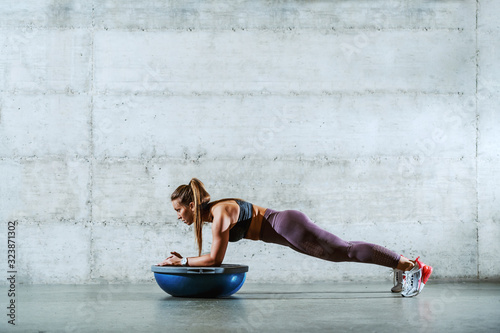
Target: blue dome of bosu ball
column 182, row 281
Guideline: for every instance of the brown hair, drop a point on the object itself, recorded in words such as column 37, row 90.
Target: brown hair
column 194, row 192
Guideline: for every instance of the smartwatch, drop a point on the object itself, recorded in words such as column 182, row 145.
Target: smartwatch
column 184, row 261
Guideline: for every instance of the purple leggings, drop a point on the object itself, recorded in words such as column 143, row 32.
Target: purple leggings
column 294, row 229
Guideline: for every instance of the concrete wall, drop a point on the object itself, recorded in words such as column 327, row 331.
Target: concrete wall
column 379, row 119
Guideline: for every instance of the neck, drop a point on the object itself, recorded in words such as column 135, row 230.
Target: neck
column 207, row 216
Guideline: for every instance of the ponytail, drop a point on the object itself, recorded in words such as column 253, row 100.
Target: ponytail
column 194, row 192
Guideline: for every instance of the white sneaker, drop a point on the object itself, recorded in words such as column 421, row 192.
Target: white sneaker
column 411, row 282
column 398, row 281
column 415, row 279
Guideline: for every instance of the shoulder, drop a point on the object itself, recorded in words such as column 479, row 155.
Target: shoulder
column 224, row 208
column 225, row 205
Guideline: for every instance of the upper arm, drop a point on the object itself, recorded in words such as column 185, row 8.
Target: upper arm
column 220, row 235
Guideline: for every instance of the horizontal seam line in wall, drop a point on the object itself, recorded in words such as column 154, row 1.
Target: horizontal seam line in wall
column 110, row 221
column 226, row 93
column 53, row 157
column 315, row 159
column 286, row 29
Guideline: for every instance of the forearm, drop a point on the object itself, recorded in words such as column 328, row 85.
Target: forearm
column 204, row 260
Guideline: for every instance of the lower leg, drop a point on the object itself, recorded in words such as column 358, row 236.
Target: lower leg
column 372, row 254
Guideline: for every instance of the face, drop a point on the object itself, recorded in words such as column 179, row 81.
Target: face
column 184, row 213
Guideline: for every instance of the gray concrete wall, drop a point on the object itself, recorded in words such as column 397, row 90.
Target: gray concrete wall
column 378, row 119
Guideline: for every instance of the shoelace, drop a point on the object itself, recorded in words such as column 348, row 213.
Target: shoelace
column 405, row 282
column 398, row 275
column 410, row 279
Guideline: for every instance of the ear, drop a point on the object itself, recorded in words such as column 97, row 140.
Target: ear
column 191, row 206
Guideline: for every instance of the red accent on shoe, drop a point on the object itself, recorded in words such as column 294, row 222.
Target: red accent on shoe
column 426, row 273
column 420, row 264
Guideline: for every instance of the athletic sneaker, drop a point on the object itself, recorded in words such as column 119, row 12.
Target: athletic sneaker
column 426, row 273
column 398, row 281
column 415, row 279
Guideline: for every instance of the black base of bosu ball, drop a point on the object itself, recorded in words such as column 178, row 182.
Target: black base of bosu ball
column 182, row 281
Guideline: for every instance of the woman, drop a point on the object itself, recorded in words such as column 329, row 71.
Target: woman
column 234, row 219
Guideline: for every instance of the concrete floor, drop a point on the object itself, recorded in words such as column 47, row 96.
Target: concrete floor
column 332, row 307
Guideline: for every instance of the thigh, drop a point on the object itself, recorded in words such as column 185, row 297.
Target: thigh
column 308, row 237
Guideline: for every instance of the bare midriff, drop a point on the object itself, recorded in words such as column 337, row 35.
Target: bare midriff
column 253, row 232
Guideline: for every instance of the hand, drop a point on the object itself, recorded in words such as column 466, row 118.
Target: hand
column 173, row 260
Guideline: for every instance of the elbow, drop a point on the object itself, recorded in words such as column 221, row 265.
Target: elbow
column 214, row 262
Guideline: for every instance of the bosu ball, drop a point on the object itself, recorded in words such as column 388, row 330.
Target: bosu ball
column 184, row 281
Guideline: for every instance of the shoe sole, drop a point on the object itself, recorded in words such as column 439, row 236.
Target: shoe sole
column 397, row 290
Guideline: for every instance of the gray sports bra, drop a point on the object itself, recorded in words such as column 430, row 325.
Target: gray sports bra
column 239, row 230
